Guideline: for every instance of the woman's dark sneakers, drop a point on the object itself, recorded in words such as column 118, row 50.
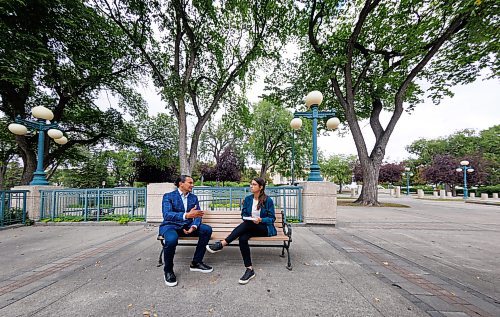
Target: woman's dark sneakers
column 200, row 267
column 170, row 279
column 215, row 247
column 249, row 274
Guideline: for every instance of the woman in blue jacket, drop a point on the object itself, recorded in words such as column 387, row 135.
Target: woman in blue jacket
column 258, row 221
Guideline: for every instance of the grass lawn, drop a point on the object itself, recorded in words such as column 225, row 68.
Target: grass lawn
column 350, row 203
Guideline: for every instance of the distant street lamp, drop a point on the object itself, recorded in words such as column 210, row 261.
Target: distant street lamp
column 293, row 158
column 407, row 173
column 39, row 122
column 313, row 100
column 466, row 169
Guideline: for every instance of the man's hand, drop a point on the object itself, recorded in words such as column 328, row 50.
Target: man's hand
column 193, row 228
column 194, row 213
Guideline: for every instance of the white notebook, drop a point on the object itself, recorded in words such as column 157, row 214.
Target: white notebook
column 249, row 218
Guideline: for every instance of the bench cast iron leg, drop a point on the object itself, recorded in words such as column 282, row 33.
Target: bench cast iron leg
column 160, row 258
column 287, row 247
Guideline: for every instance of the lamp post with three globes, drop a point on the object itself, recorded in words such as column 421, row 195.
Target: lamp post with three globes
column 313, row 100
column 40, row 122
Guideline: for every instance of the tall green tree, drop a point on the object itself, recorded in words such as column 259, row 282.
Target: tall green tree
column 467, row 143
column 62, row 54
column 371, row 56
column 271, row 140
column 338, row 168
column 202, row 51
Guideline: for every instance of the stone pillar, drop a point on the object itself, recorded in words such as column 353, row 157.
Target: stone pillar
column 435, row 194
column 398, row 191
column 155, row 196
column 420, row 193
column 33, row 199
column 353, row 192
column 484, row 196
column 472, row 195
column 495, row 195
column 319, row 203
column 442, row 194
column 449, row 194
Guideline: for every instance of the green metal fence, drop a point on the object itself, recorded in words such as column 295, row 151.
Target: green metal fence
column 93, row 204
column 12, row 207
column 286, row 198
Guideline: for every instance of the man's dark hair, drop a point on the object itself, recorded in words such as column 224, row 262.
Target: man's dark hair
column 181, row 179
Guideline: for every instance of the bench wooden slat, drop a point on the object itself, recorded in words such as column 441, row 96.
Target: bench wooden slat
column 233, row 224
column 219, row 236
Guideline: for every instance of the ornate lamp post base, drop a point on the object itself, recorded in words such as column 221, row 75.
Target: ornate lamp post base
column 314, row 174
column 39, row 178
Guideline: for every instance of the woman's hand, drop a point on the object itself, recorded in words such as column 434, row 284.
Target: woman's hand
column 257, row 220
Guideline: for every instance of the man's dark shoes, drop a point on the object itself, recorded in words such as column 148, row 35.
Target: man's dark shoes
column 215, row 247
column 200, row 267
column 249, row 274
column 170, row 279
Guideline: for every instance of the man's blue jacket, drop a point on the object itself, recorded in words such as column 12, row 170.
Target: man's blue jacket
column 173, row 212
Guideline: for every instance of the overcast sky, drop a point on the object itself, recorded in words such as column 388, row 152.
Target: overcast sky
column 474, row 106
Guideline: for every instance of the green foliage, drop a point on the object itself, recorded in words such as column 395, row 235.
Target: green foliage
column 218, row 184
column 467, row 144
column 62, row 54
column 369, row 56
column 118, row 218
column 271, row 139
column 203, row 53
column 13, row 174
column 338, row 168
column 488, row 189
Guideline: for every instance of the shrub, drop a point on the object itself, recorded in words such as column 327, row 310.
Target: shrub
column 487, row 189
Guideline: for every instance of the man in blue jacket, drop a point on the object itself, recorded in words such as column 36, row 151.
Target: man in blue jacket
column 182, row 217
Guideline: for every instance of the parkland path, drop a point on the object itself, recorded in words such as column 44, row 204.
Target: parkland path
column 436, row 258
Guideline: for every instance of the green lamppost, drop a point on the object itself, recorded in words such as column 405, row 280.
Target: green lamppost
column 40, row 123
column 313, row 100
column 407, row 173
column 464, row 166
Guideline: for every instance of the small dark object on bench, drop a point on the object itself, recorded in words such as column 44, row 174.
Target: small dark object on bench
column 223, row 222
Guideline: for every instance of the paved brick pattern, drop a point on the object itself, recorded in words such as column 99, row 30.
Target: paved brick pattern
column 19, row 286
column 437, row 295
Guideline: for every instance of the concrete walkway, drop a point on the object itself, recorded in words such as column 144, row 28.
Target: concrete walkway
column 433, row 259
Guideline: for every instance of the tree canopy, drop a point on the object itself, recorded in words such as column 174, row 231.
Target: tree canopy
column 372, row 56
column 62, row 54
column 202, row 51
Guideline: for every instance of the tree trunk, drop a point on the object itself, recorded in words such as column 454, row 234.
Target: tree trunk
column 185, row 169
column 263, row 171
column 369, row 193
column 29, row 159
column 3, row 171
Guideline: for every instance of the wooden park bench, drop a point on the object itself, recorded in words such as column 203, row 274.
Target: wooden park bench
column 223, row 222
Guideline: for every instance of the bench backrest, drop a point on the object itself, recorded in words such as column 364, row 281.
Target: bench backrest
column 226, row 221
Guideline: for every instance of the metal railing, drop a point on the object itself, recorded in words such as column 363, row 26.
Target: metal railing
column 93, row 204
column 12, row 207
column 286, row 198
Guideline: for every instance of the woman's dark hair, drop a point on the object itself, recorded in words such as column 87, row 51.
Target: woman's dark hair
column 262, row 194
column 181, row 179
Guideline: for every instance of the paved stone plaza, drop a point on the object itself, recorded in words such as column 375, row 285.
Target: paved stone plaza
column 437, row 258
